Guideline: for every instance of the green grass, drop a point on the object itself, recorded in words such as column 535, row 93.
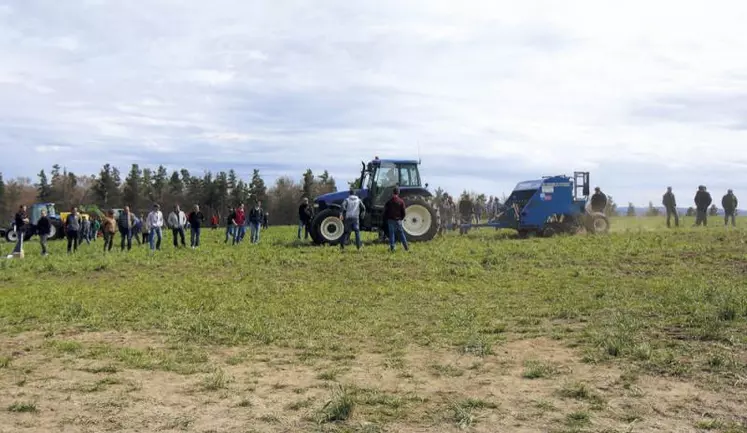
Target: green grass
column 656, row 301
column 22, row 407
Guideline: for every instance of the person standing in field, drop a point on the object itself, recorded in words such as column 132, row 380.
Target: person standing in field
column 729, row 202
column 239, row 222
column 230, row 223
column 72, row 227
column 394, row 214
column 598, row 201
column 43, row 227
column 177, row 221
column 214, row 221
column 85, row 227
column 702, row 201
column 95, row 228
column 352, row 210
column 670, row 205
column 109, row 229
column 256, row 216
column 266, row 221
column 19, row 226
column 304, row 218
column 465, row 211
column 195, row 219
column 155, row 222
column 125, row 224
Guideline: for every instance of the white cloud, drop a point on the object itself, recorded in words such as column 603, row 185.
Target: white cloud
column 492, row 91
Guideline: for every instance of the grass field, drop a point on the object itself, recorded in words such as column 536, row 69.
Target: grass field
column 644, row 329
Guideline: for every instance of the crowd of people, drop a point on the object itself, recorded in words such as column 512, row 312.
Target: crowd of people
column 450, row 215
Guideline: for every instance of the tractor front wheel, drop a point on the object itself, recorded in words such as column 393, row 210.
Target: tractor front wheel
column 598, row 223
column 327, row 227
column 420, row 220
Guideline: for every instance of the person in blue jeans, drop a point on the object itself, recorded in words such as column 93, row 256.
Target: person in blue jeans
column 230, row 224
column 256, row 215
column 352, row 209
column 196, row 218
column 394, row 214
column 155, row 222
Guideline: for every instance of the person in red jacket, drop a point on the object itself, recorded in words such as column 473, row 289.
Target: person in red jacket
column 394, row 214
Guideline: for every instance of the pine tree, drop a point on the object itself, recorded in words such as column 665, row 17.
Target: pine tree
column 257, row 188
column 176, row 187
column 43, row 188
column 221, row 191
column 308, row 183
column 105, row 187
column 631, row 210
column 652, row 211
column 713, row 211
column 132, row 188
column 159, row 184
column 232, row 180
column 146, row 189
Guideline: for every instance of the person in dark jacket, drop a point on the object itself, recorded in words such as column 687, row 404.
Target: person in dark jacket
column 702, row 201
column 43, row 228
column 598, row 201
column 465, row 211
column 256, row 216
column 125, row 223
column 670, row 205
column 195, row 220
column 729, row 202
column 304, row 218
column 394, row 214
column 19, row 226
column 72, row 227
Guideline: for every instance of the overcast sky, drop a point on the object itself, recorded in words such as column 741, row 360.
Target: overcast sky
column 643, row 94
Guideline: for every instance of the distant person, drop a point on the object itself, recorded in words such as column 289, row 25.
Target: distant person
column 155, row 222
column 196, row 218
column 141, row 230
column 214, row 221
column 465, row 211
column 19, row 226
column 352, row 209
column 444, row 210
column 266, row 221
column 72, row 227
column 729, row 202
column 109, row 229
column 304, row 218
column 702, row 201
column 95, row 228
column 177, row 221
column 598, row 201
column 394, row 214
column 670, row 205
column 256, row 216
column 43, row 228
column 125, row 224
column 230, row 223
column 85, row 228
column 239, row 222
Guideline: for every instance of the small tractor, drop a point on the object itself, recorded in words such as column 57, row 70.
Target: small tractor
column 549, row 206
column 375, row 185
column 56, row 230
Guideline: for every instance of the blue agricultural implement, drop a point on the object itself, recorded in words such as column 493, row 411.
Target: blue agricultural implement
column 548, row 206
column 374, row 187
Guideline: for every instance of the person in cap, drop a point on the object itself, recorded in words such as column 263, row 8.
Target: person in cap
column 598, row 201
column 729, row 202
column 702, row 201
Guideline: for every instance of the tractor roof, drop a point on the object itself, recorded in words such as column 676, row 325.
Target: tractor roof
column 394, row 161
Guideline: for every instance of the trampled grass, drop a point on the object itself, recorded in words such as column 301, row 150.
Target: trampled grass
column 283, row 320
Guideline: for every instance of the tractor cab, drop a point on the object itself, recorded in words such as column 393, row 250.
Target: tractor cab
column 377, row 182
column 36, row 210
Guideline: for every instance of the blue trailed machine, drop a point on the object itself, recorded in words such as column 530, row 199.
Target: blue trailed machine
column 548, row 206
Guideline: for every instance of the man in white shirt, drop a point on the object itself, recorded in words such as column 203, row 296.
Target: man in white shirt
column 155, row 222
column 352, row 209
column 177, row 221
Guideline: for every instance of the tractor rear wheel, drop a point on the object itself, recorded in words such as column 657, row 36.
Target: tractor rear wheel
column 11, row 236
column 52, row 232
column 327, row 227
column 420, row 220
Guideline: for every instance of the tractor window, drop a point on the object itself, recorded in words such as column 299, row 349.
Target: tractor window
column 386, row 176
column 408, row 176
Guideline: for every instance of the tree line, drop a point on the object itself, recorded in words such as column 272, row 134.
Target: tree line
column 144, row 186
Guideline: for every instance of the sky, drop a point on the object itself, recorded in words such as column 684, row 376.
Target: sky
column 642, row 94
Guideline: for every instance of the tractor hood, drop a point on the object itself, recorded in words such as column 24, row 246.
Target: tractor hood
column 331, row 198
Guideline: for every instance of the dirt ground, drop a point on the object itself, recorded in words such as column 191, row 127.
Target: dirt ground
column 269, row 389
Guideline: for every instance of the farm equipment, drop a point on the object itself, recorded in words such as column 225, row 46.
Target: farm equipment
column 548, row 206
column 377, row 181
column 56, row 230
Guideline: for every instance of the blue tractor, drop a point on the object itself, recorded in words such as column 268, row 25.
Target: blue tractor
column 374, row 187
column 34, row 211
column 549, row 206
